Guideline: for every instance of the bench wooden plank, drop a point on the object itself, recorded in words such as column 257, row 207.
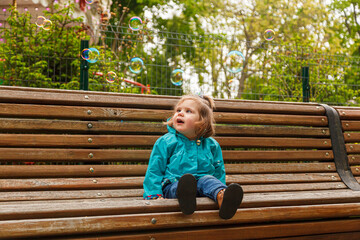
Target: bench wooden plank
column 350, row 125
column 346, row 227
column 121, row 193
column 352, row 148
column 159, row 115
column 85, row 113
column 57, row 140
column 37, row 171
column 71, row 126
column 354, row 159
column 37, row 125
column 136, row 182
column 293, row 187
column 352, row 114
column 69, row 194
column 115, row 206
column 120, row 155
column 91, row 98
column 270, row 119
column 352, row 137
column 121, row 223
column 125, row 193
column 305, row 155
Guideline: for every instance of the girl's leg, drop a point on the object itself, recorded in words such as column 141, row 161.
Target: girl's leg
column 185, row 191
column 209, row 186
column 228, row 200
column 169, row 191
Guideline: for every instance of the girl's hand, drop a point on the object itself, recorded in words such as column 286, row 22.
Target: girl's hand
column 160, row 198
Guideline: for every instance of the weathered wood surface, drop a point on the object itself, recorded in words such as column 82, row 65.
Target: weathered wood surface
column 126, row 155
column 280, row 153
column 57, row 140
column 73, row 98
column 72, row 126
column 116, row 206
column 36, row 171
column 132, row 222
column 136, row 182
column 121, row 193
column 330, row 229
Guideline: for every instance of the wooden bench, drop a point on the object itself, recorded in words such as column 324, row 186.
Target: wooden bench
column 73, row 163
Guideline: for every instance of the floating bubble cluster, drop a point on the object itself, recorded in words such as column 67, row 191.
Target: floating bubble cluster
column 90, row 54
column 136, row 65
column 234, row 61
column 89, row 1
column 43, row 23
column 269, row 35
column 135, row 23
column 177, row 77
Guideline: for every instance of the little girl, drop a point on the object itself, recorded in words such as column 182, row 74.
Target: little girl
column 187, row 162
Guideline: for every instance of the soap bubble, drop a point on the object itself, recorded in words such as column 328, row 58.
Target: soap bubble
column 177, row 77
column 269, row 35
column 135, row 23
column 85, row 54
column 89, row 1
column 234, row 61
column 93, row 55
column 47, row 25
column 90, row 54
column 136, row 65
column 111, row 77
column 40, row 21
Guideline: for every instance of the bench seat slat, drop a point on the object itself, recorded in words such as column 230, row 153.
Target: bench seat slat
column 71, row 126
column 27, row 171
column 136, row 182
column 122, row 193
column 126, row 193
column 69, row 194
column 118, row 155
column 57, row 140
column 115, row 206
column 121, row 223
column 338, row 229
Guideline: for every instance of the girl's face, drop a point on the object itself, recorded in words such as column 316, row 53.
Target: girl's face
column 186, row 114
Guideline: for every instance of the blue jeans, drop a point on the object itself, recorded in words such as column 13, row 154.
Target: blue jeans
column 207, row 186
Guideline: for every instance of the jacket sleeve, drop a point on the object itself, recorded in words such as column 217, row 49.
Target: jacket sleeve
column 219, row 164
column 156, row 170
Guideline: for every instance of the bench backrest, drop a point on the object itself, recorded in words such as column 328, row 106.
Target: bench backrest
column 74, row 140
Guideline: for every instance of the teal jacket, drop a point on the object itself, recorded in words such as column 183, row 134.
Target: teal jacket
column 174, row 155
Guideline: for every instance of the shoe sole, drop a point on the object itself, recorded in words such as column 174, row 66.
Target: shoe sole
column 186, row 194
column 233, row 196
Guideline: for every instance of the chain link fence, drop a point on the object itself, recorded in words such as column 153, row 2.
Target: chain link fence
column 141, row 60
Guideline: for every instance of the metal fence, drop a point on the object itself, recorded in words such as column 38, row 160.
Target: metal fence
column 153, row 61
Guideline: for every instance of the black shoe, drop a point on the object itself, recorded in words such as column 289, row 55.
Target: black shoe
column 233, row 196
column 186, row 194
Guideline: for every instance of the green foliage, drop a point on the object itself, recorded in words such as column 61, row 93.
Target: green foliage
column 35, row 57
column 196, row 37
